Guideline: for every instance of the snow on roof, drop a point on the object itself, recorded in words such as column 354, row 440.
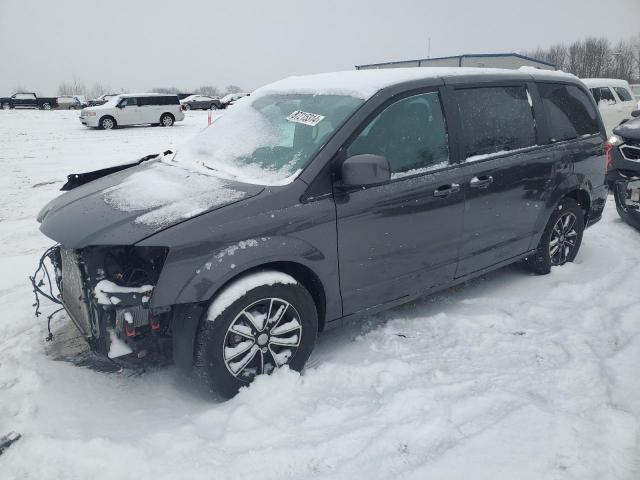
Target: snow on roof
column 605, row 82
column 366, row 83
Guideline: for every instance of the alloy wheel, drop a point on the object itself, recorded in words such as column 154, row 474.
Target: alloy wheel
column 262, row 337
column 564, row 238
column 107, row 124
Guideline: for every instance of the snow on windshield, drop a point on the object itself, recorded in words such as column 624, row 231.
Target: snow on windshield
column 267, row 139
column 165, row 194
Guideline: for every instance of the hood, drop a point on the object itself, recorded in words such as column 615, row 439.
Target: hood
column 130, row 205
column 630, row 129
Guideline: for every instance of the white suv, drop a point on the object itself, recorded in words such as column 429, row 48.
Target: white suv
column 134, row 109
column 614, row 98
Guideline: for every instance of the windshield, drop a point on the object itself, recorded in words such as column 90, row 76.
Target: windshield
column 269, row 139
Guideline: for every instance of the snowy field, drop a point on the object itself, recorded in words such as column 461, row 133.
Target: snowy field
column 511, row 376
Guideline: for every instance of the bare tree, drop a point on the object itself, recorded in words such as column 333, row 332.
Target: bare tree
column 232, row 89
column 165, row 90
column 207, row 90
column 98, row 89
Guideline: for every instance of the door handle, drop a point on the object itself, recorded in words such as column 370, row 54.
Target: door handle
column 446, row 190
column 482, row 181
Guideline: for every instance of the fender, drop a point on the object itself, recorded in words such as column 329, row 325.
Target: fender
column 201, row 277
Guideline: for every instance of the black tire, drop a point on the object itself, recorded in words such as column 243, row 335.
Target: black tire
column 6, row 106
column 186, row 107
column 213, row 106
column 166, row 120
column 107, row 123
column 214, row 337
column 46, row 106
column 557, row 246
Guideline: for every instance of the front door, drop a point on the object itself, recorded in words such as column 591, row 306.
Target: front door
column 401, row 238
column 505, row 172
column 130, row 112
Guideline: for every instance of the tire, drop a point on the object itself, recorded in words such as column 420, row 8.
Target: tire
column 224, row 373
column 561, row 239
column 6, row 106
column 166, row 120
column 107, row 123
column 186, row 107
column 46, row 106
column 213, row 106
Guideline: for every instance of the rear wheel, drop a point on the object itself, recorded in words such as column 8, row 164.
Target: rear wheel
column 6, row 106
column 107, row 123
column 46, row 106
column 213, row 106
column 186, row 107
column 561, row 239
column 166, row 120
column 267, row 327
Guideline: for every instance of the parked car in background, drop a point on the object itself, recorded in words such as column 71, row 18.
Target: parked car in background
column 614, row 98
column 623, row 165
column 200, row 102
column 28, row 100
column 102, row 99
column 71, row 102
column 230, row 247
column 231, row 98
column 134, row 109
column 635, row 89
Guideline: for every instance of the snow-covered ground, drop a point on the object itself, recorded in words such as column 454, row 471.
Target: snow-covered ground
column 512, row 376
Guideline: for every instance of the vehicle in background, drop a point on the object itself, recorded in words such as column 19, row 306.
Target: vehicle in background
column 102, row 99
column 614, row 98
column 623, row 169
column 134, row 109
column 200, row 102
column 635, row 89
column 230, row 247
column 231, row 98
column 71, row 102
column 182, row 96
column 28, row 100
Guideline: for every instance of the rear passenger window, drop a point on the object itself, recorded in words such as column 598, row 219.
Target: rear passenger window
column 603, row 94
column 624, row 94
column 570, row 113
column 495, row 119
column 411, row 134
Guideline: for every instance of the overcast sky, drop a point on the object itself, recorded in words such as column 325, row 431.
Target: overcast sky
column 137, row 45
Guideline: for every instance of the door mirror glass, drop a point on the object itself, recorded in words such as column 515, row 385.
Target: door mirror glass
column 366, row 169
column 635, row 113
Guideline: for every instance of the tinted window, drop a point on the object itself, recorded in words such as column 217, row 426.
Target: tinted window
column 569, row 112
column 129, row 102
column 495, row 119
column 410, row 133
column 623, row 93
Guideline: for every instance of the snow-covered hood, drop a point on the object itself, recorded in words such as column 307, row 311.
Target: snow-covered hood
column 130, row 205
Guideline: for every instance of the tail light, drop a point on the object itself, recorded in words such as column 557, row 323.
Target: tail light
column 608, row 151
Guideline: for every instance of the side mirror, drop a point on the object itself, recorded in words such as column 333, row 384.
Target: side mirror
column 635, row 113
column 120, row 105
column 365, row 170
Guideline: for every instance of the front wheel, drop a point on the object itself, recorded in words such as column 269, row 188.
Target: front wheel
column 6, row 106
column 46, row 106
column 186, row 107
column 267, row 327
column 561, row 239
column 107, row 123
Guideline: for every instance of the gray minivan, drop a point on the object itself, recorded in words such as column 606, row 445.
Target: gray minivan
column 320, row 198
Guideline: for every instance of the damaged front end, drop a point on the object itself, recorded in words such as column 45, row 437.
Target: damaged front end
column 626, row 190
column 624, row 173
column 105, row 291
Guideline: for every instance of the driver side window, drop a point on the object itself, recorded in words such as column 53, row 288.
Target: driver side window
column 411, row 133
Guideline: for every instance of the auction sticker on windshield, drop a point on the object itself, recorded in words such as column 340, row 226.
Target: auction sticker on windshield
column 306, row 118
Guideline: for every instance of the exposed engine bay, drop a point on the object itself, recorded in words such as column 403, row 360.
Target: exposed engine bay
column 105, row 292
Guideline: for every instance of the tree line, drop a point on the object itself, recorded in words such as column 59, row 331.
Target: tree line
column 77, row 87
column 595, row 58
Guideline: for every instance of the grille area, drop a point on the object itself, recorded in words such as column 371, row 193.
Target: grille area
column 630, row 152
column 73, row 292
column 137, row 316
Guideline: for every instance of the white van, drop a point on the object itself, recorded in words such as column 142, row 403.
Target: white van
column 134, row 109
column 614, row 99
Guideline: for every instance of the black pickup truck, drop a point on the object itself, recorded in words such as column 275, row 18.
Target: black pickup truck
column 28, row 100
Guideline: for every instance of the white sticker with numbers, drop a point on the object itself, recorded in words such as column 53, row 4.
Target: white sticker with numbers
column 306, row 118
